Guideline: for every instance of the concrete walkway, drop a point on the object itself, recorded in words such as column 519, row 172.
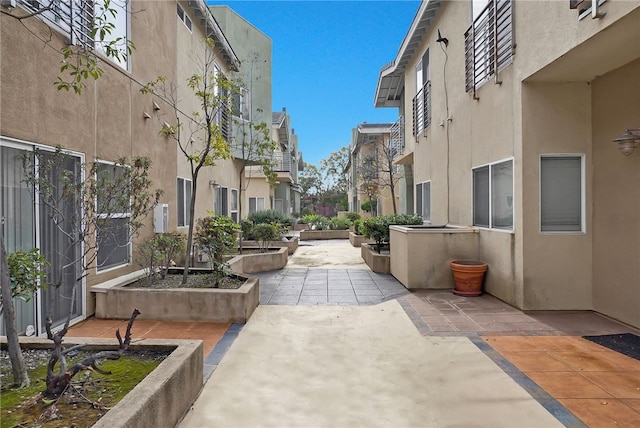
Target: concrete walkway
column 346, row 366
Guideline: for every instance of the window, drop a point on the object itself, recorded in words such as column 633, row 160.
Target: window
column 279, row 205
column 183, row 201
column 256, row 204
column 423, row 200
column 561, row 194
column 488, row 42
column 114, row 212
column 119, row 32
column 241, row 104
column 493, row 196
column 234, row 205
column 422, row 100
column 184, row 17
column 221, row 206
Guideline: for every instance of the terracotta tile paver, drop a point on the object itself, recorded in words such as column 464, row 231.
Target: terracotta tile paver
column 209, row 333
column 544, row 351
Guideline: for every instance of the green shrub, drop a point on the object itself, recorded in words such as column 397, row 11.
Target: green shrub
column 271, row 216
column 316, row 221
column 264, row 233
column 246, row 226
column 357, row 225
column 339, row 223
column 216, row 235
column 368, row 205
column 27, row 273
column 352, row 216
column 377, row 228
column 159, row 252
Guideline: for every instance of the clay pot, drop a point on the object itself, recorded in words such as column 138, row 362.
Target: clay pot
column 468, row 276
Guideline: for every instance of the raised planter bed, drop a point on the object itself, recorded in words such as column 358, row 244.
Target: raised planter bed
column 163, row 397
column 291, row 244
column 312, row 235
column 377, row 262
column 358, row 240
column 115, row 301
column 260, row 262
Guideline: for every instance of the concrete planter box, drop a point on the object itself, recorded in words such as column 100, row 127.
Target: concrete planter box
column 358, row 240
column 291, row 245
column 163, row 397
column 420, row 255
column 312, row 235
column 301, row 226
column 376, row 262
column 260, row 262
column 115, row 301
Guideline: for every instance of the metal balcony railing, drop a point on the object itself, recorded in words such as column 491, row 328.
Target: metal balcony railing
column 73, row 18
column 282, row 162
column 396, row 138
column 422, row 109
column 488, row 44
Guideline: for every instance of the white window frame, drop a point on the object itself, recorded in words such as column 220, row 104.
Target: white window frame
column 185, row 201
column 182, row 16
column 221, row 195
column 256, row 199
column 583, row 194
column 233, row 205
column 426, row 202
column 99, row 267
column 490, row 167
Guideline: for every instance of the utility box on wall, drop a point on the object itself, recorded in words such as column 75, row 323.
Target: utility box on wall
column 161, row 218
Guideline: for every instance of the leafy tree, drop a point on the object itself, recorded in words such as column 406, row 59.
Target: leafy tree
column 367, row 171
column 333, row 169
column 311, row 181
column 201, row 136
column 387, row 175
column 216, row 235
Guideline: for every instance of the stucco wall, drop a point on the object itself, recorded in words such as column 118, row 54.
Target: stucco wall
column 616, row 196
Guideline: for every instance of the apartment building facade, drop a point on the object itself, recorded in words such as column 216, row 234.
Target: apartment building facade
column 510, row 111
column 110, row 119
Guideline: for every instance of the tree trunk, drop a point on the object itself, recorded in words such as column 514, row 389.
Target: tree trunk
column 392, row 188
column 18, row 366
column 192, row 212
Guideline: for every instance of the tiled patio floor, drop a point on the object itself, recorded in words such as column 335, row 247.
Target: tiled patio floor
column 543, row 351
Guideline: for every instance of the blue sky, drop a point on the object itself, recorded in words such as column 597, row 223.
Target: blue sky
column 327, row 57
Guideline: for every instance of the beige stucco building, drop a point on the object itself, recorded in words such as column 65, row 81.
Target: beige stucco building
column 371, row 172
column 111, row 118
column 509, row 110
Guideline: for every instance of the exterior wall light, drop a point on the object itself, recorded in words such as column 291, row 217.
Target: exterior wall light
column 628, row 141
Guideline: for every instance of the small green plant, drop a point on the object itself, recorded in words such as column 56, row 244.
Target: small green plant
column 264, row 233
column 316, row 222
column 27, row 273
column 339, row 223
column 368, row 205
column 377, row 228
column 352, row 216
column 246, row 227
column 158, row 253
column 357, row 224
column 216, row 236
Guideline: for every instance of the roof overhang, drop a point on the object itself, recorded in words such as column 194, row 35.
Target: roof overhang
column 369, row 132
column 213, row 31
column 391, row 81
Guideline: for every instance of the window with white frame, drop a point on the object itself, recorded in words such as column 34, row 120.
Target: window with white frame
column 256, row 204
column 183, row 201
column 182, row 15
column 562, row 193
column 423, row 200
column 241, row 104
column 493, row 195
column 118, row 36
column 221, row 206
column 234, row 205
column 113, row 212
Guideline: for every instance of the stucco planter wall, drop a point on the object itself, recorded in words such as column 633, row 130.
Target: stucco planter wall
column 163, row 397
column 115, row 301
column 420, row 255
column 311, row 235
column 377, row 262
column 260, row 262
column 291, row 244
column 358, row 240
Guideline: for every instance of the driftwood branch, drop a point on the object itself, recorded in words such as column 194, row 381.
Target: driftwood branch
column 57, row 384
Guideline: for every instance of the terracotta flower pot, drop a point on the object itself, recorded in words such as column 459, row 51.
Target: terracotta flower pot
column 468, row 276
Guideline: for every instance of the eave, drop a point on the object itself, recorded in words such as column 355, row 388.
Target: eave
column 391, row 81
column 206, row 20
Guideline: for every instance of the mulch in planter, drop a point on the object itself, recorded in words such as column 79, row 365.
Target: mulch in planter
column 627, row 343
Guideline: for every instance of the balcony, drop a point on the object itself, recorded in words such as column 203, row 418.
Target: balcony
column 422, row 109
column 396, row 138
column 488, row 44
column 281, row 162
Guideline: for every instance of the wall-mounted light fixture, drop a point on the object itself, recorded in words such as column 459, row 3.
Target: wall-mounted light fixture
column 213, row 184
column 156, row 107
column 628, row 141
column 147, row 115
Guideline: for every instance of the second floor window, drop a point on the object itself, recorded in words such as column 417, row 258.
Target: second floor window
column 488, row 42
column 422, row 100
